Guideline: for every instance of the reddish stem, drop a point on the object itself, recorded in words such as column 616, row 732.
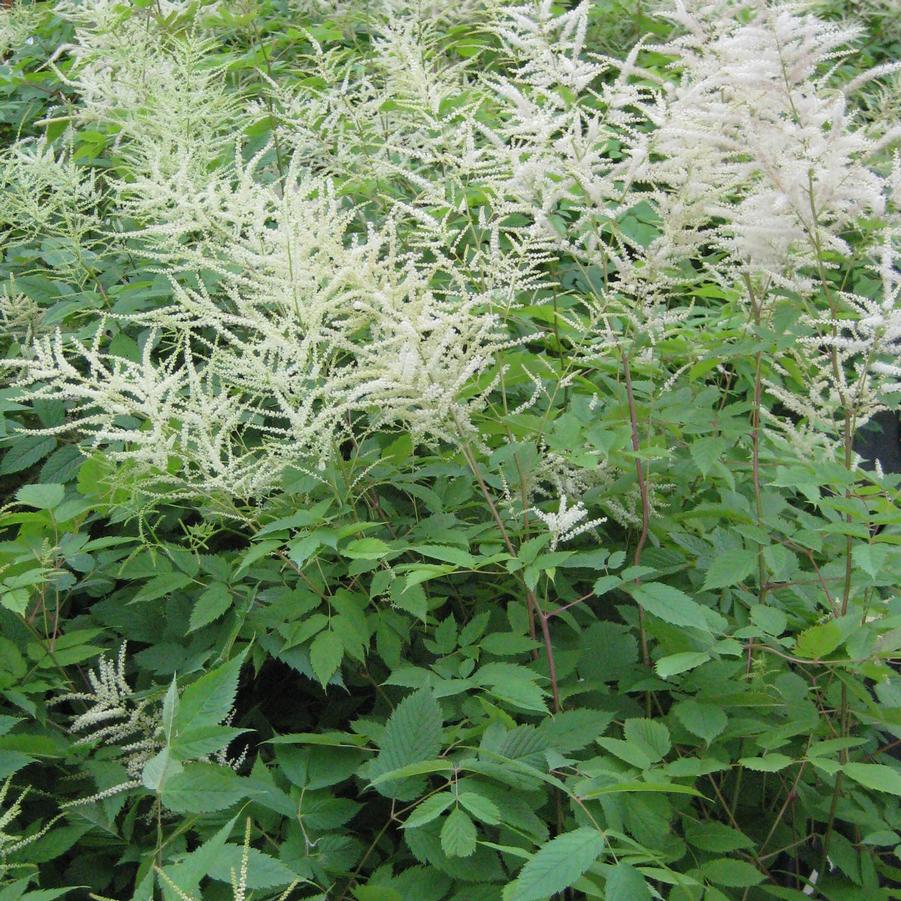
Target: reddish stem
column 549, row 650
column 645, row 501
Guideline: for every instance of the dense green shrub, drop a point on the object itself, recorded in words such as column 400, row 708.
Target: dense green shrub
column 429, row 436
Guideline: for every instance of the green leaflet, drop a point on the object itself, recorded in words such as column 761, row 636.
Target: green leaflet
column 878, row 776
column 458, row 834
column 625, row 883
column 207, row 701
column 556, row 865
column 203, row 788
column 412, row 735
column 671, row 605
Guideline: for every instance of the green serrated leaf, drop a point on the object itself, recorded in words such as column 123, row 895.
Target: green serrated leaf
column 210, row 606
column 557, row 865
column 458, row 834
column 671, row 605
column 207, row 701
column 625, row 883
column 876, row 776
column 706, row 721
column 203, row 788
column 326, row 654
column 729, row 568
column 26, row 451
column 41, row 497
column 429, row 809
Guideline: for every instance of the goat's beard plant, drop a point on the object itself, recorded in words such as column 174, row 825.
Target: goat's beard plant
column 494, row 368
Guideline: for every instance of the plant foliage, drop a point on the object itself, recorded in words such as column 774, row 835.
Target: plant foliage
column 430, row 437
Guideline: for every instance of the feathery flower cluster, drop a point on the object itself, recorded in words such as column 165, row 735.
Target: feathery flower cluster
column 856, row 348
column 298, row 317
column 10, row 843
column 424, row 11
column 566, row 523
column 316, row 330
column 17, row 24
column 168, row 108
column 46, row 193
column 755, row 153
column 753, row 137
column 21, row 317
column 117, row 717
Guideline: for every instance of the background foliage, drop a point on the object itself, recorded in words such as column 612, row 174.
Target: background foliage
column 418, row 488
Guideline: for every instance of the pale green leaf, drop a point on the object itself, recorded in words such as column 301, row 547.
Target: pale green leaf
column 771, row 763
column 446, row 554
column 819, row 641
column 871, row 558
column 410, row 598
column 716, row 837
column 158, row 769
column 673, row 664
column 429, row 809
column 422, row 768
column 366, row 549
column 650, row 736
column 876, row 776
column 481, row 807
column 705, row 452
column 770, row 619
column 732, row 873
column 16, row 600
column 618, row 788
column 45, row 496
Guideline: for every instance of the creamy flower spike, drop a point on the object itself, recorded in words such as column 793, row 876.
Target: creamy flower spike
column 564, row 525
